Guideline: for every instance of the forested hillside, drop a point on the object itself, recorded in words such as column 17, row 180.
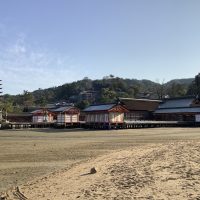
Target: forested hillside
column 87, row 91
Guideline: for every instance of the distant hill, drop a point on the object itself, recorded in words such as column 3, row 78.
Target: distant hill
column 183, row 81
column 109, row 88
column 87, row 91
column 178, row 87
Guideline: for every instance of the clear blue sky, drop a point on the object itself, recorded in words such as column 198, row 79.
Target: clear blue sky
column 45, row 43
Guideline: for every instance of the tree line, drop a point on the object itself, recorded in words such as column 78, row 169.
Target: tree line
column 87, row 91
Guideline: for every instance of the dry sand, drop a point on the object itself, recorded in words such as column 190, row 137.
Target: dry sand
column 169, row 171
column 154, row 171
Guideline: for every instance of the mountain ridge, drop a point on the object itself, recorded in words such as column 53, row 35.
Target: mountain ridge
column 86, row 91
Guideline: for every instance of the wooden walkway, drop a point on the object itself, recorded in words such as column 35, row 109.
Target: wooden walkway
column 22, row 125
column 126, row 125
column 141, row 124
column 154, row 124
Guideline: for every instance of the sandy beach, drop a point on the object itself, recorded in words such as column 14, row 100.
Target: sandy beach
column 164, row 170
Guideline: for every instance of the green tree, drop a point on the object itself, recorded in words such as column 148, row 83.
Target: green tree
column 107, row 95
column 42, row 101
column 160, row 90
column 28, row 100
column 83, row 104
column 7, row 103
column 176, row 90
column 194, row 88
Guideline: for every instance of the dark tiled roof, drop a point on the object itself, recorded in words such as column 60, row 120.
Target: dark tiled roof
column 103, row 107
column 178, row 110
column 176, row 103
column 134, row 99
column 62, row 109
column 37, row 111
column 40, row 111
column 19, row 114
column 140, row 104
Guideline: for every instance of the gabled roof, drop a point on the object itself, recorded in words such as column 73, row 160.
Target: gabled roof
column 102, row 107
column 177, row 103
column 37, row 111
column 178, row 110
column 40, row 111
column 140, row 104
column 19, row 114
column 144, row 100
column 63, row 109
